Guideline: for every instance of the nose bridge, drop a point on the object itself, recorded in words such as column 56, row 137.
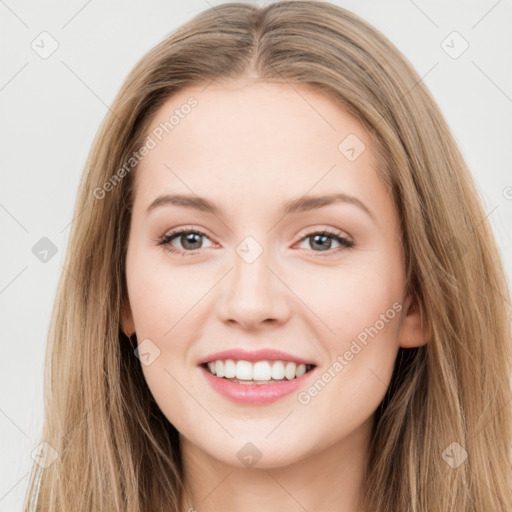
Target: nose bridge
column 253, row 294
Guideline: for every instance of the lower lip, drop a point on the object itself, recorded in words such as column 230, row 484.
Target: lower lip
column 254, row 393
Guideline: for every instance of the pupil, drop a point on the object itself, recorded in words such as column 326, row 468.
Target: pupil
column 189, row 238
column 316, row 237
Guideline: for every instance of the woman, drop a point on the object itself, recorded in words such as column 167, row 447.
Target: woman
column 249, row 370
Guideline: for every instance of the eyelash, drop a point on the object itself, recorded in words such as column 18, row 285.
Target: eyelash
column 165, row 241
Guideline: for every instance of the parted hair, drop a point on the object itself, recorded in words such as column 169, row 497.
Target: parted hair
column 109, row 447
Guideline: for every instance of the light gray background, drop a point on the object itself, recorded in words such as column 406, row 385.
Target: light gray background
column 51, row 109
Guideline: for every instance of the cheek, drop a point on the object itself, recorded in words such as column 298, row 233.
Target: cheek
column 162, row 302
column 362, row 307
column 353, row 297
column 161, row 312
column 361, row 356
column 160, row 294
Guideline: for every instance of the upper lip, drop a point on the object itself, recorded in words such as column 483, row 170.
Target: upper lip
column 254, row 355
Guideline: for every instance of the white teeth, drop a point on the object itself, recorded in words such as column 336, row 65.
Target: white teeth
column 243, row 370
column 278, row 370
column 290, row 370
column 259, row 371
column 229, row 369
column 219, row 367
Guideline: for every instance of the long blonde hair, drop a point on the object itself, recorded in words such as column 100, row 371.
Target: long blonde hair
column 442, row 435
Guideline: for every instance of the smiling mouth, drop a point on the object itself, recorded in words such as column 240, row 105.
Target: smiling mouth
column 259, row 372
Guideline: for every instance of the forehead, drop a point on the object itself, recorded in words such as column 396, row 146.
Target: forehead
column 255, row 141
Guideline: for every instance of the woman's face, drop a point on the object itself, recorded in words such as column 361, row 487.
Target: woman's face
column 257, row 275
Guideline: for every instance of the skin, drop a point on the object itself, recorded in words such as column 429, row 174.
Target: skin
column 249, row 147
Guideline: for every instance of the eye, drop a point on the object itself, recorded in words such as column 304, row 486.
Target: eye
column 189, row 240
column 323, row 241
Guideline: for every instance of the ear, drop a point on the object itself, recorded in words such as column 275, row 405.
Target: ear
column 414, row 331
column 127, row 323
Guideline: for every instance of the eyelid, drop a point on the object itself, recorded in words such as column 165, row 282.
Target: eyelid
column 326, row 230
column 343, row 238
column 164, row 240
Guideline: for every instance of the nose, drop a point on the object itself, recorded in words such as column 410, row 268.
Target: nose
column 253, row 295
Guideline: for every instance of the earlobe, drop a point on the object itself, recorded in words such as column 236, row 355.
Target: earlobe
column 127, row 324
column 414, row 330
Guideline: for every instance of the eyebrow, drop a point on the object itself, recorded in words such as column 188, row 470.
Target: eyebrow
column 294, row 206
